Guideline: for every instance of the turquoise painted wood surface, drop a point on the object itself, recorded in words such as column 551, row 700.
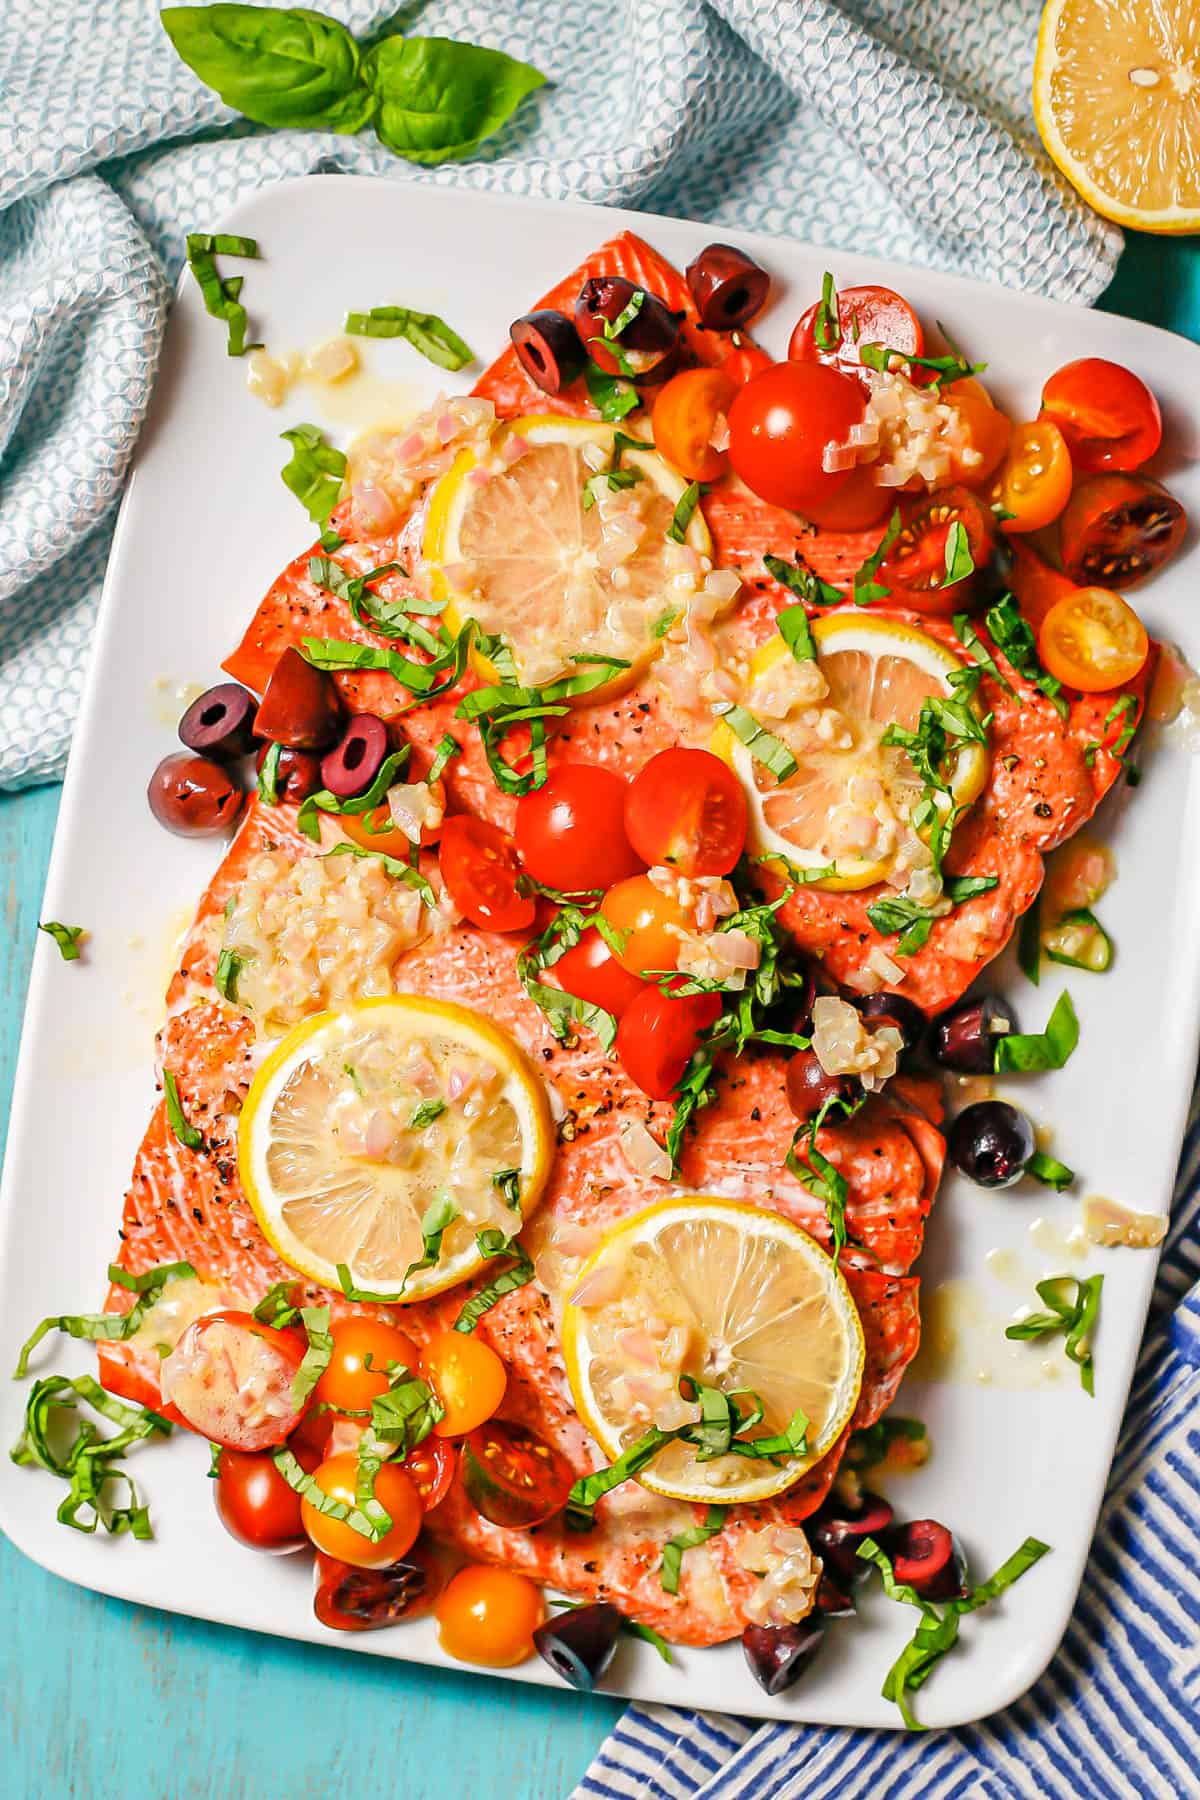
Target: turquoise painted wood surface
column 101, row 1699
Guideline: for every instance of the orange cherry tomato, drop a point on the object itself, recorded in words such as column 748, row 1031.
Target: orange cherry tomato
column 643, row 912
column 356, row 1372
column 489, row 1616
column 687, row 808
column 375, row 830
column 394, row 1491
column 468, row 1378
column 1106, row 413
column 687, row 414
column 1034, row 483
column 988, row 429
column 1093, row 641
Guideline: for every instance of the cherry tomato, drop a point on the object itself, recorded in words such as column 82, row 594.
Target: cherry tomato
column 375, row 830
column 1117, row 529
column 858, row 504
column 430, row 1467
column 779, row 427
column 1106, row 413
column 688, row 809
column 513, row 1477
column 1034, row 483
column 480, row 869
column 590, row 971
column 643, row 912
column 337, row 1477
column 1092, row 641
column 570, row 832
column 988, row 429
column 914, row 569
column 687, row 413
column 1037, row 586
column 255, row 1504
column 489, row 1616
column 350, row 1599
column 468, row 1378
column 356, row 1372
column 866, row 315
column 659, row 1035
column 230, row 1379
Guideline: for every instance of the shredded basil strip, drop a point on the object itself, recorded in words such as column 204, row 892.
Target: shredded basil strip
column 872, row 1444
column 967, row 635
column 439, row 1214
column 67, row 937
column 771, row 751
column 563, row 1010
column 90, row 1462
column 673, row 1550
column 866, row 590
column 664, row 621
column 800, row 580
column 306, row 1486
column 315, row 1360
column 1023, row 1053
column 188, row 1136
column 426, row 1113
column 424, row 331
column 365, row 1296
column 325, row 802
column 492, row 1243
column 448, row 747
column 229, row 967
column 1049, row 1171
column 1124, row 707
column 277, row 1307
column 685, row 506
column 405, row 872
column 268, row 776
column 914, row 920
column 946, row 368
column 816, row 1173
column 314, row 471
column 959, row 561
column 1029, row 943
column 612, row 397
column 827, row 325
column 796, row 633
column 106, row 1327
column 1072, row 1313
column 1011, row 632
column 221, row 294
column 496, row 710
column 405, row 1415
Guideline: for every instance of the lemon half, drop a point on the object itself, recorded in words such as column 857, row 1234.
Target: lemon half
column 362, row 1121
column 728, row 1293
column 880, row 671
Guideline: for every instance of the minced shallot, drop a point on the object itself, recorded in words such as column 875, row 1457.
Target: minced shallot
column 790, row 1573
column 844, row 1044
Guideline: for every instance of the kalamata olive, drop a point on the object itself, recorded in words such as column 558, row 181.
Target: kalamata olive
column 728, row 287
column 300, row 707
column 645, row 348
column 579, row 1644
column 221, row 722
column 964, row 1039
column 990, row 1142
column 350, row 1599
column 833, row 1600
column 549, row 348
column 895, row 1009
column 929, row 1558
column 808, row 1086
column 297, row 773
column 352, row 767
column 837, row 1531
column 779, row 1654
column 193, row 796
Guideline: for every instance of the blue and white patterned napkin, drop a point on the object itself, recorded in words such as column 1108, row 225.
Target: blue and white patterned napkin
column 898, row 124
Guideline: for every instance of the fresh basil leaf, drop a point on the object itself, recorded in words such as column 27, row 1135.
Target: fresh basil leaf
column 967, row 635
column 364, row 1296
column 278, row 1307
column 89, row 1462
column 287, row 67
column 771, row 751
column 313, row 472
column 1012, row 633
column 673, row 1550
column 424, row 331
column 438, row 99
column 908, row 917
column 685, row 506
column 360, row 805
column 188, row 1136
column 796, row 633
column 800, row 580
column 229, row 967
column 448, row 748
column 816, row 1173
column 946, row 368
column 612, row 397
column 965, row 887
column 1023, row 1053
column 1049, row 1171
column 507, row 1183
column 866, row 590
column 107, row 1327
column 563, row 1010
column 493, row 1243
column 67, row 937
column 221, row 293
column 959, row 561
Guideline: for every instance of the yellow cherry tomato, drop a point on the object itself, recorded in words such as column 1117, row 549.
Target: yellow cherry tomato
column 394, row 1491
column 642, row 913
column 1034, row 483
column 357, row 1370
column 489, row 1616
column 1093, row 641
column 468, row 1378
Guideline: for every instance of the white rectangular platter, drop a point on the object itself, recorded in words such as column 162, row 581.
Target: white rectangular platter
column 205, row 526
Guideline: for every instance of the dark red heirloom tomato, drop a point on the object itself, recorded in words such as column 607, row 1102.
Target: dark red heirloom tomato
column 480, row 869
column 351, row 1599
column 914, row 569
column 687, row 808
column 659, row 1035
column 1117, row 529
column 780, row 425
column 570, row 832
column 591, row 972
column 255, row 1504
column 300, row 707
column 1107, row 414
column 231, row 1379
column 512, row 1477
column 866, row 315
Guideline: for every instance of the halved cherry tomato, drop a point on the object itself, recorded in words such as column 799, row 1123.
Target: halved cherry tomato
column 1092, row 641
column 480, row 869
column 570, row 832
column 858, row 504
column 688, row 809
column 357, row 1370
column 231, row 1379
column 866, row 315
column 375, row 830
column 337, row 1476
column 780, row 425
column 468, row 1378
column 642, row 913
column 350, row 1599
column 1117, row 529
column 988, row 429
column 659, row 1035
column 512, row 1477
column 1037, row 586
column 914, row 569
column 488, row 1616
column 591, row 972
column 687, row 414
column 430, row 1467
column 1106, row 413
column 1034, row 483
column 255, row 1504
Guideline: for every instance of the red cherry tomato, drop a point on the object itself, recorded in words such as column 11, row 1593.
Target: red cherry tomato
column 480, row 869
column 858, row 504
column 686, row 416
column 914, row 569
column 659, row 1035
column 512, row 1477
column 489, row 1616
column 430, row 1468
column 255, row 1504
column 570, row 832
column 350, row 1599
column 591, row 972
column 644, row 915
column 357, row 1370
column 231, row 1379
column 779, row 427
column 337, row 1476
column 688, row 809
column 1107, row 414
column 866, row 315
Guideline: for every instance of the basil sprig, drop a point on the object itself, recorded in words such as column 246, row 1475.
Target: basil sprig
column 313, row 472
column 800, row 580
column 426, row 332
column 90, row 1461
column 188, row 1135
column 67, row 937
column 221, row 293
column 493, row 1243
column 1028, row 1052
column 673, row 1549
column 107, row 1327
column 1074, row 1313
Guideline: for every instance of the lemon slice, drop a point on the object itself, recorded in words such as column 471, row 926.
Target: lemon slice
column 362, row 1121
column 735, row 1296
column 851, row 798
column 1116, row 96
column 510, row 542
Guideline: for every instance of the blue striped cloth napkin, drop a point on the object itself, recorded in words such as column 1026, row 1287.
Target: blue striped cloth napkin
column 1116, row 1716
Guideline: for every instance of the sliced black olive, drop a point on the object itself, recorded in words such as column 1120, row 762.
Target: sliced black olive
column 193, row 796
column 352, row 766
column 964, row 1039
column 550, row 349
column 646, row 348
column 297, row 773
column 779, row 1654
column 929, row 1558
column 836, row 1532
column 579, row 1644
column 221, row 722
column 728, row 287
column 895, row 1009
column 300, row 707
column 990, row 1143
column 808, row 1086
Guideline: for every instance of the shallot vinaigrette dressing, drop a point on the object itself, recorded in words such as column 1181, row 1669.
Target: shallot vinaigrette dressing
column 963, row 1342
